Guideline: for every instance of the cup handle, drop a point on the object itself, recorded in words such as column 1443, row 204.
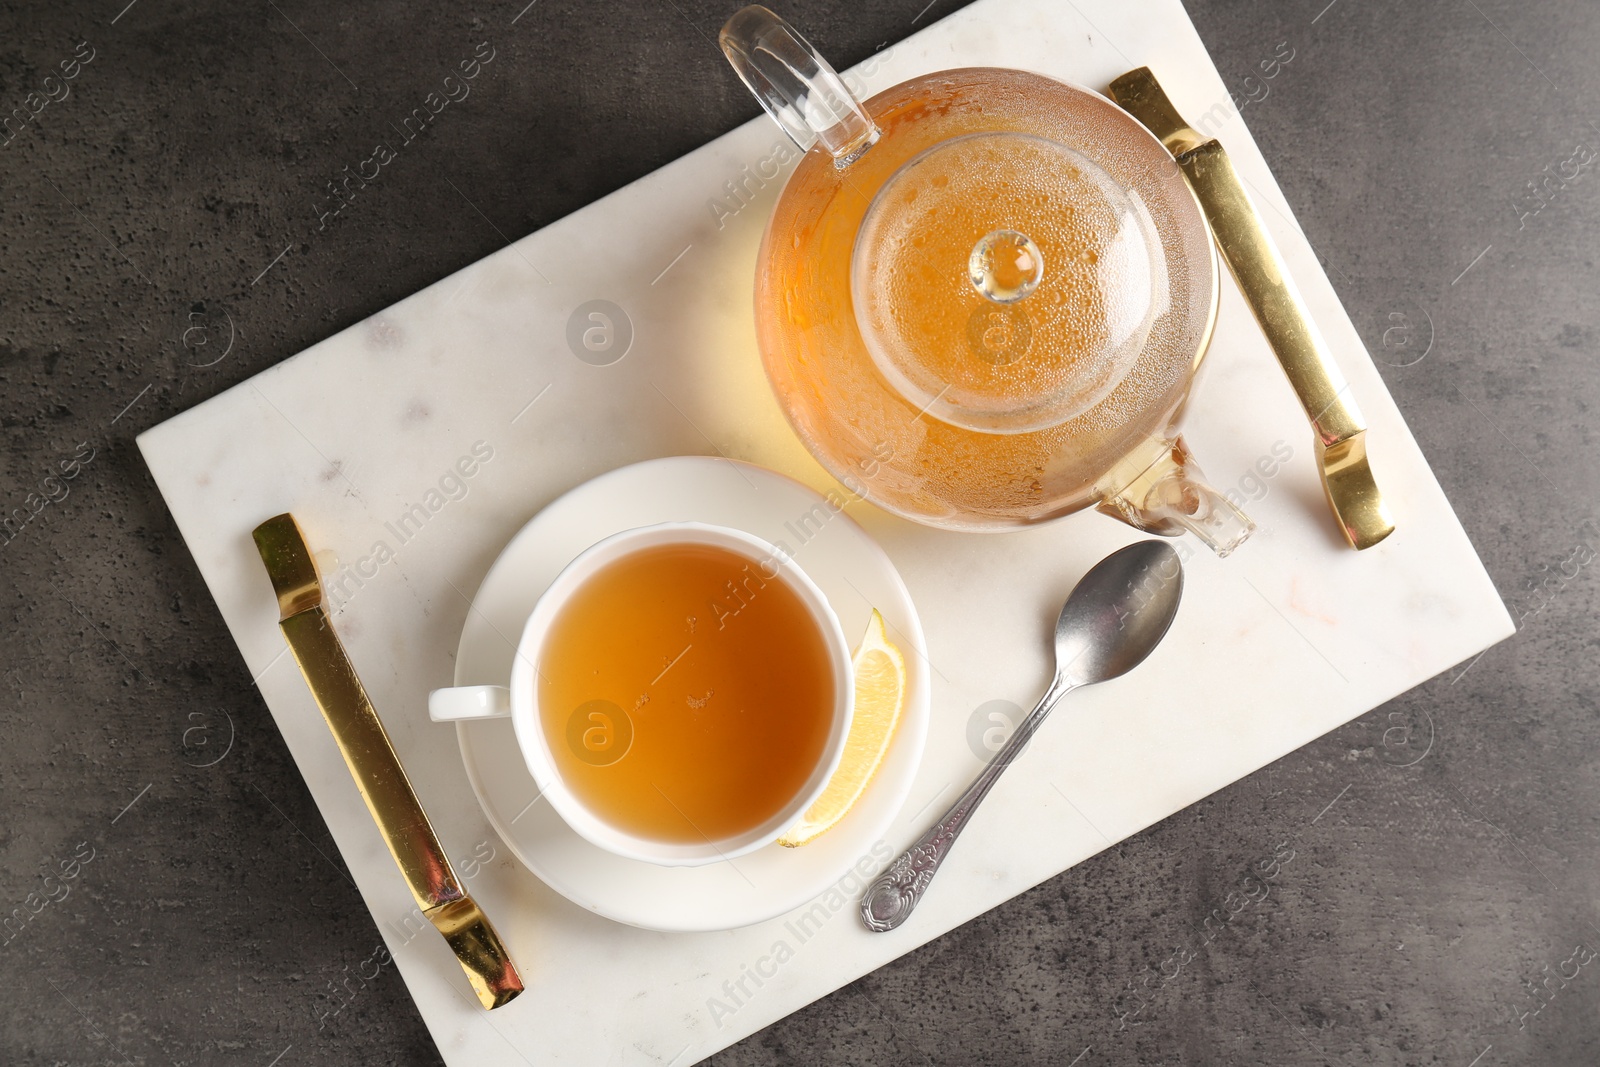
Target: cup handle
column 469, row 702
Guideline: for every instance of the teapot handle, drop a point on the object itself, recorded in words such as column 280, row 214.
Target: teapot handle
column 799, row 89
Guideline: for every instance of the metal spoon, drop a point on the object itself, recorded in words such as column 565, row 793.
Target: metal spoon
column 1111, row 621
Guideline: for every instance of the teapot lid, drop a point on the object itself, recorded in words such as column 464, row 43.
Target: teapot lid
column 1004, row 282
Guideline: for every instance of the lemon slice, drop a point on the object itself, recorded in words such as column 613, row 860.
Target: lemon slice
column 880, row 672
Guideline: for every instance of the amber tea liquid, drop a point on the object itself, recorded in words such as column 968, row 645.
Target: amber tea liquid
column 922, row 459
column 686, row 693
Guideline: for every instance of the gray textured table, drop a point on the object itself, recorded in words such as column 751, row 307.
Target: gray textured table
column 172, row 894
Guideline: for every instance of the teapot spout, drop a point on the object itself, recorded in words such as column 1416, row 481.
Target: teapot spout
column 1170, row 496
column 799, row 89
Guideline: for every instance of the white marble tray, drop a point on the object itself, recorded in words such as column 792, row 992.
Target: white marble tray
column 1288, row 639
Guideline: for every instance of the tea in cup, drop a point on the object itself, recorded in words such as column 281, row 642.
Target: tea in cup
column 681, row 693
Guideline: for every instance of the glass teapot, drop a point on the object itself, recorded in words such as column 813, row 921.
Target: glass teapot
column 983, row 295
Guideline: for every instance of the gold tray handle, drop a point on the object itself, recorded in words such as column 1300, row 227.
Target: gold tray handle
column 376, row 768
column 1280, row 311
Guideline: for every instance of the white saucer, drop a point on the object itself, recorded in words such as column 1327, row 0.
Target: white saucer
column 851, row 570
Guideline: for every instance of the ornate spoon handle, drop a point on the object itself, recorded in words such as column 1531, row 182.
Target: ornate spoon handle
column 895, row 893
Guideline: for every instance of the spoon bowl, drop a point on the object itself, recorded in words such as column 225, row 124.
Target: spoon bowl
column 1118, row 613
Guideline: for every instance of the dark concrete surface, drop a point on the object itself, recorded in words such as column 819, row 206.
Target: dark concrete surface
column 1436, row 861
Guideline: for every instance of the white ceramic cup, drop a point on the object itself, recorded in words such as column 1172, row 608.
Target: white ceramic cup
column 520, row 701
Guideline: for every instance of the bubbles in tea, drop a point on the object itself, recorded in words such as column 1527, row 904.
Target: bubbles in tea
column 1005, row 282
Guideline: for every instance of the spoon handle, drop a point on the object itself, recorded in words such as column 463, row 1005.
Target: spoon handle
column 896, row 892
